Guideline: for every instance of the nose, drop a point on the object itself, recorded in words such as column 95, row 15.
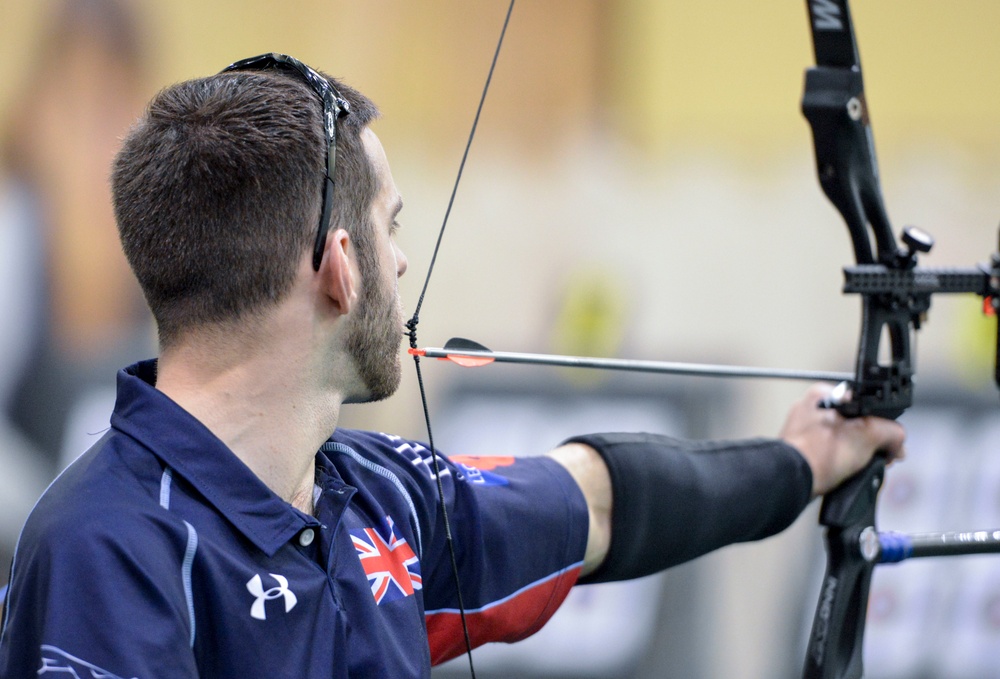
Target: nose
column 401, row 262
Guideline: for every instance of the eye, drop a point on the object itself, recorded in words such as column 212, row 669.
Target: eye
column 394, row 227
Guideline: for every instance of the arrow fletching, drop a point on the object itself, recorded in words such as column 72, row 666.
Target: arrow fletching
column 452, row 351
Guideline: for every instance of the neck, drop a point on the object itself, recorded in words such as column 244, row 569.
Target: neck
column 263, row 396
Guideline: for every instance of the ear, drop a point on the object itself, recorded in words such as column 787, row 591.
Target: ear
column 336, row 271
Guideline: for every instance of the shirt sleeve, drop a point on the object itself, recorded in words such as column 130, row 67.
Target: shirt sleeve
column 520, row 532
column 99, row 594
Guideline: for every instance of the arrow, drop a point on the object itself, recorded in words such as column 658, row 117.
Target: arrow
column 470, row 354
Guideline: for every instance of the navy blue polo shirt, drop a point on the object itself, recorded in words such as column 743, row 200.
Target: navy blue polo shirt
column 160, row 554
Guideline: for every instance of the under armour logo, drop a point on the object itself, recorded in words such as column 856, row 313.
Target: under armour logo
column 256, row 588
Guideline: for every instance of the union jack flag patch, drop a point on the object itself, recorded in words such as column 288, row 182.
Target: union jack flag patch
column 393, row 569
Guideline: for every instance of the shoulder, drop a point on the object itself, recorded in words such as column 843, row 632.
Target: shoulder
column 396, row 454
column 96, row 555
column 417, row 460
column 105, row 502
column 389, row 445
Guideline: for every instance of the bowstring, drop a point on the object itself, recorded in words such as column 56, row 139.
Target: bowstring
column 411, row 326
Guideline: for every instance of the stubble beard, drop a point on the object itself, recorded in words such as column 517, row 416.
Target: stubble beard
column 374, row 341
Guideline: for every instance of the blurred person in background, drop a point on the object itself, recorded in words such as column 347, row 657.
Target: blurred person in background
column 71, row 310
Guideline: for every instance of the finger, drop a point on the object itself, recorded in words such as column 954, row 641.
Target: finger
column 836, row 396
column 887, row 436
column 899, row 457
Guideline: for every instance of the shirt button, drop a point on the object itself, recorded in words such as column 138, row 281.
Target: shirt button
column 306, row 537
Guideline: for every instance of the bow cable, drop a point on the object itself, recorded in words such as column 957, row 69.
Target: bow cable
column 411, row 326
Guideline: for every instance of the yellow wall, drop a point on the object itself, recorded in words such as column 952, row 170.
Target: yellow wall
column 733, row 69
column 659, row 71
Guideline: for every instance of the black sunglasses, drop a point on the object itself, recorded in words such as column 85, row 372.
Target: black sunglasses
column 334, row 107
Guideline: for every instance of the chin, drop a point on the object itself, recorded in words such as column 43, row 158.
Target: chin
column 378, row 387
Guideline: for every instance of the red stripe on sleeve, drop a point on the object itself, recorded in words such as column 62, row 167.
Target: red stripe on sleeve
column 512, row 619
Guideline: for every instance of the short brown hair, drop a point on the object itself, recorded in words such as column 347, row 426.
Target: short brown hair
column 217, row 193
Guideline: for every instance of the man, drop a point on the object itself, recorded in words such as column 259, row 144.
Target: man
column 205, row 536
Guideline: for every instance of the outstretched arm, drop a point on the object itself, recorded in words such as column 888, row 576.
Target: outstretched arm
column 655, row 502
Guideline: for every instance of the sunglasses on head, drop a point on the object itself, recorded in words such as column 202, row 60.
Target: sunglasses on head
column 334, row 107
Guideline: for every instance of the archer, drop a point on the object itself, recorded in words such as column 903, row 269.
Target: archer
column 225, row 509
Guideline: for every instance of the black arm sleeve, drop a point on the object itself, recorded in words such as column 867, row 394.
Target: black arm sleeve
column 675, row 500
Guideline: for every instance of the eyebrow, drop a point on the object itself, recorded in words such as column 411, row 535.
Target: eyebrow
column 399, row 206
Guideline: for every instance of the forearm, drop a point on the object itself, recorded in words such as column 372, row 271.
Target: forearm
column 590, row 472
column 674, row 500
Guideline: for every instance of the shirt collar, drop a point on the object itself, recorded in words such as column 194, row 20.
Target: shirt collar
column 188, row 447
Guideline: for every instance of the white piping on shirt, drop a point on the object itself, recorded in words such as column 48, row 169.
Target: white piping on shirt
column 166, row 480
column 192, row 546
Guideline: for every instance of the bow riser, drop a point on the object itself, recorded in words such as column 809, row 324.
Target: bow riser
column 835, row 642
column 835, row 107
column 834, row 104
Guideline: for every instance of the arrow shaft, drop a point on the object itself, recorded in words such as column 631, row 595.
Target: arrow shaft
column 629, row 365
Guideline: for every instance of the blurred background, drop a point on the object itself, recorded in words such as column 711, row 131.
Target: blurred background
column 641, row 185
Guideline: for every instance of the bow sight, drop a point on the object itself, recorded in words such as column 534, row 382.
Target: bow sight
column 896, row 294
